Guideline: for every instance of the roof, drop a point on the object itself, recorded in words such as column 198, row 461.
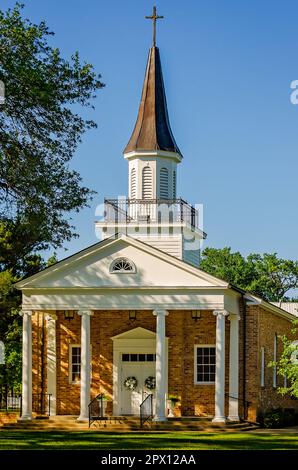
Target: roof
column 152, row 130
column 72, row 260
column 291, row 307
column 214, row 283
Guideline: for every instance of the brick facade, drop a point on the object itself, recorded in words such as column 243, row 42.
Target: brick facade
column 262, row 328
column 183, row 333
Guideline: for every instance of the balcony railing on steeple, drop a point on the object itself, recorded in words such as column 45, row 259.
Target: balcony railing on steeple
column 160, row 211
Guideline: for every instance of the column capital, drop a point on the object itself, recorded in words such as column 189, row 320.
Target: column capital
column 219, row 313
column 85, row 312
column 234, row 316
column 51, row 317
column 160, row 311
column 24, row 312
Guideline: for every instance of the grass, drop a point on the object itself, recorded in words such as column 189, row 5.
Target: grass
column 42, row 440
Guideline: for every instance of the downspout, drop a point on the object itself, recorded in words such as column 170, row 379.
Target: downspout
column 244, row 358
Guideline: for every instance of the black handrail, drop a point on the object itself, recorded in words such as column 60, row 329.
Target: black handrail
column 146, row 210
column 96, row 410
column 146, row 409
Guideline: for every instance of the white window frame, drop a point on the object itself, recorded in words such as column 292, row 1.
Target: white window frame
column 196, row 346
column 262, row 366
column 285, row 382
column 2, row 353
column 274, row 378
column 71, row 346
column 294, row 355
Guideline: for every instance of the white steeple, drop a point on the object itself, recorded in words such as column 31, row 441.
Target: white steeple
column 152, row 212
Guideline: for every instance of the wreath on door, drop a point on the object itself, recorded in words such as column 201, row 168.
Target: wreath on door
column 130, row 383
column 150, row 382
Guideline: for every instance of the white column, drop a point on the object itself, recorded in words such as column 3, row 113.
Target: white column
column 27, row 366
column 85, row 364
column 161, row 365
column 51, row 362
column 234, row 368
column 219, row 416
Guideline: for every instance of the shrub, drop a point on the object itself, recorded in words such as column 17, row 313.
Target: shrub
column 278, row 418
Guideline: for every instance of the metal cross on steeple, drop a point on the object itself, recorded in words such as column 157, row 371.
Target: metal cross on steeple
column 154, row 17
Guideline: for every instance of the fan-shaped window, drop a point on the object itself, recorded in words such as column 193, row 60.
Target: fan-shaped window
column 133, row 184
column 122, row 265
column 147, row 183
column 174, row 184
column 164, row 183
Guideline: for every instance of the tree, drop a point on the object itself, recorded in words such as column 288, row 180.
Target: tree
column 287, row 365
column 39, row 133
column 40, row 129
column 11, row 322
column 222, row 263
column 273, row 277
column 264, row 275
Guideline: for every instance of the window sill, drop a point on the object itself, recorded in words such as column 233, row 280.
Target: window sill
column 204, row 383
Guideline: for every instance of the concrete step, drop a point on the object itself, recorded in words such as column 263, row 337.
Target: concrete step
column 127, row 424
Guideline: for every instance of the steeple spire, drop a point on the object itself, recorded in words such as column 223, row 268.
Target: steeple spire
column 152, row 130
column 154, row 17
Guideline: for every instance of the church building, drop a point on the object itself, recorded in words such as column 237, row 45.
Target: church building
column 133, row 316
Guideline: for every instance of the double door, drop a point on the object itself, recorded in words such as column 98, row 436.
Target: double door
column 132, row 398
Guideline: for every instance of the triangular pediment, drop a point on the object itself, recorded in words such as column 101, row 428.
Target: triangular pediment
column 91, row 268
column 136, row 333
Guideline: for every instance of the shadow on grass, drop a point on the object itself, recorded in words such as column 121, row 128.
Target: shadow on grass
column 18, row 440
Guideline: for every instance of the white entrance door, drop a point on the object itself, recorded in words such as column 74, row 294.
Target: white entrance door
column 138, row 366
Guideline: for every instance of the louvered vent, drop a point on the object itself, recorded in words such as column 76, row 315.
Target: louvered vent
column 174, row 184
column 164, row 183
column 147, row 183
column 133, row 184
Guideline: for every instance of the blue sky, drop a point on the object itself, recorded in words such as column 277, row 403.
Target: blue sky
column 227, row 65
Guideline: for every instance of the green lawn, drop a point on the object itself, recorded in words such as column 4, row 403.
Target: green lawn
column 11, row 440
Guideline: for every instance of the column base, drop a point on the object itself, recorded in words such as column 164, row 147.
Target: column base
column 26, row 418
column 83, row 419
column 233, row 418
column 160, row 419
column 219, row 419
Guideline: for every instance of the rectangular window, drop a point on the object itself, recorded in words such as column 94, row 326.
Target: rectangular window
column 274, row 382
column 205, row 362
column 138, row 357
column 75, row 366
column 75, row 363
column 262, row 367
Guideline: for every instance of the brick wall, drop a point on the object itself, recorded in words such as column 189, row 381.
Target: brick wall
column 183, row 333
column 39, row 357
column 262, row 326
column 269, row 325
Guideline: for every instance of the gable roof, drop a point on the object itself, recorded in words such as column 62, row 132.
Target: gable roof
column 94, row 252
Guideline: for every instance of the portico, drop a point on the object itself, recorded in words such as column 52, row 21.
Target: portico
column 159, row 308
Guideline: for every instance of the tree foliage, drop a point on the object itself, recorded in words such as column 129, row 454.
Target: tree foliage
column 11, row 322
column 40, row 132
column 287, row 365
column 265, row 275
column 41, row 125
